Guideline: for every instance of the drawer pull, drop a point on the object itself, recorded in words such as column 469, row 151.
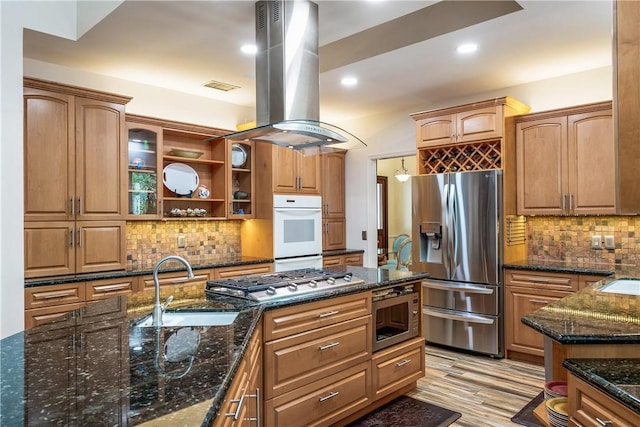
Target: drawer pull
column 538, row 301
column 112, row 288
column 403, row 362
column 329, row 396
column 57, row 294
column 604, row 423
column 329, row 313
column 328, row 346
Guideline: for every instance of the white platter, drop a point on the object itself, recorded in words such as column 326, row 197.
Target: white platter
column 238, row 156
column 180, row 178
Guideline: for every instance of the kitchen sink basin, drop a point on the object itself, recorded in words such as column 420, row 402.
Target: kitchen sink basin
column 191, row 318
column 622, row 286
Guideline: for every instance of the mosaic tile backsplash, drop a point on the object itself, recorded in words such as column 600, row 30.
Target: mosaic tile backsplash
column 569, row 239
column 149, row 241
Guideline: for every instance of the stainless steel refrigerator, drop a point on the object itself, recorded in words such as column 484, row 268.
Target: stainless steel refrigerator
column 456, row 235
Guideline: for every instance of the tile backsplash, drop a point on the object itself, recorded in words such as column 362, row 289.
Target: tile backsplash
column 569, row 239
column 149, row 241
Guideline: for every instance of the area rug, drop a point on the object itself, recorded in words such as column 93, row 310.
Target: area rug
column 525, row 416
column 407, row 412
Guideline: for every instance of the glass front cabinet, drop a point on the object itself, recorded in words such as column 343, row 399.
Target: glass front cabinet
column 143, row 185
column 241, row 189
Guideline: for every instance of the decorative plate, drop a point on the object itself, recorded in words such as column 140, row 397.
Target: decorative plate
column 180, row 178
column 238, row 156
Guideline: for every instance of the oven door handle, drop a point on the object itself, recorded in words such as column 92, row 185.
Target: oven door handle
column 299, row 211
column 465, row 318
column 458, row 288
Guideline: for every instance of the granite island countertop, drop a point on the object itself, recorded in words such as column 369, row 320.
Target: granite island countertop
column 95, row 367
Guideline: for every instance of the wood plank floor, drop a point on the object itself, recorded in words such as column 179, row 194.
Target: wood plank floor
column 487, row 392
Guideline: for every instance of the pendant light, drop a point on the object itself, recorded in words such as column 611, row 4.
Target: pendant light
column 402, row 174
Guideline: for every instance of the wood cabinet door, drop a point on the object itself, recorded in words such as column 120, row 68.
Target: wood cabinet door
column 483, row 123
column 49, row 150
column 49, row 248
column 541, row 151
column 309, row 174
column 144, row 169
column 436, row 130
column 100, row 246
column 333, row 185
column 592, row 163
column 334, row 236
column 285, row 178
column 519, row 303
column 101, row 162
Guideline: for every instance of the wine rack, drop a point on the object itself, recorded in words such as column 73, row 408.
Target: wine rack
column 460, row 157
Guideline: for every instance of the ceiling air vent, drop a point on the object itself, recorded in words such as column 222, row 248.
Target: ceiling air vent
column 220, row 86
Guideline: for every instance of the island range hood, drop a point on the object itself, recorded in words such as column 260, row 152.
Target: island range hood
column 287, row 81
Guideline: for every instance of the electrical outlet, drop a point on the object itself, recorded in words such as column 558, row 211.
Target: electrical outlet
column 364, row 234
column 181, row 242
column 609, row 242
column 596, row 242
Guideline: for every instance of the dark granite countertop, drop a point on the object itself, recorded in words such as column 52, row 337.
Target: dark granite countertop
column 342, row 252
column 559, row 266
column 215, row 262
column 618, row 378
column 95, row 367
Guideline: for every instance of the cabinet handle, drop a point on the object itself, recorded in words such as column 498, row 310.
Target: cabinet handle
column 71, row 237
column 538, row 301
column 329, row 396
column 403, row 362
column 571, row 201
column 240, row 402
column 256, row 395
column 604, row 423
column 79, row 237
column 329, row 313
column 73, row 206
column 79, row 205
column 564, row 205
column 328, row 346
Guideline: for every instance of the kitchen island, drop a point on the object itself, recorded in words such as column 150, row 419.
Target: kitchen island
column 95, row 367
column 595, row 336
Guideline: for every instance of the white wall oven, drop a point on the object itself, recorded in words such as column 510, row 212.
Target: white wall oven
column 396, row 315
column 297, row 232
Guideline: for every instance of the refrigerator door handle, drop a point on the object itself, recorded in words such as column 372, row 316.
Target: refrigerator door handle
column 451, row 213
column 457, row 288
column 446, row 239
column 470, row 318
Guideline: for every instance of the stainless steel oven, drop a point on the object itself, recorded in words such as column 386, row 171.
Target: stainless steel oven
column 396, row 315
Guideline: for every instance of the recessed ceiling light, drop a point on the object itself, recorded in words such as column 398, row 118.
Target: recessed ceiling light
column 249, row 49
column 467, row 48
column 349, row 81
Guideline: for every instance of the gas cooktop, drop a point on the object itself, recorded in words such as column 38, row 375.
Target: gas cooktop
column 281, row 285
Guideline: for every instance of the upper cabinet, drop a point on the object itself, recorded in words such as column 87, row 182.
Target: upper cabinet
column 75, row 149
column 178, row 171
column 627, row 103
column 465, row 137
column 566, row 162
column 144, row 157
column 294, row 172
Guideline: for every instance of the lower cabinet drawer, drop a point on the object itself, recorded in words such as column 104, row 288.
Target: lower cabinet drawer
column 398, row 367
column 590, row 407
column 322, row 402
column 303, row 358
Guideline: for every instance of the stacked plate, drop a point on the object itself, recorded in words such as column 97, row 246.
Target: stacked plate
column 555, row 389
column 558, row 411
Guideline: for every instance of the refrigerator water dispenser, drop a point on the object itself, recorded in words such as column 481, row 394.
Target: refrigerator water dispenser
column 430, row 242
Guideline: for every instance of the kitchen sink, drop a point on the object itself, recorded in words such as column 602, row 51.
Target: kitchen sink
column 622, row 286
column 191, row 318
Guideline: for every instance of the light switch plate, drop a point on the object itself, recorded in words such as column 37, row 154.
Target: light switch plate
column 609, row 242
column 596, row 242
column 181, row 242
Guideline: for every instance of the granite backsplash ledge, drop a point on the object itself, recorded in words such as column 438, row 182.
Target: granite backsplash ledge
column 149, row 241
column 569, row 239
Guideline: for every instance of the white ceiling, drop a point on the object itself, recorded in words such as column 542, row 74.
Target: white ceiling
column 183, row 44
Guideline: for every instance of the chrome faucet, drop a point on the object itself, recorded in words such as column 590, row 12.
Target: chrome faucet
column 158, row 308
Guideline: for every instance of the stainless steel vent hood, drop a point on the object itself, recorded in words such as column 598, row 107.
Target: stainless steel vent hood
column 287, row 81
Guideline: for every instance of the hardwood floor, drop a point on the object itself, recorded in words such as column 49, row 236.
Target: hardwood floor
column 487, row 392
